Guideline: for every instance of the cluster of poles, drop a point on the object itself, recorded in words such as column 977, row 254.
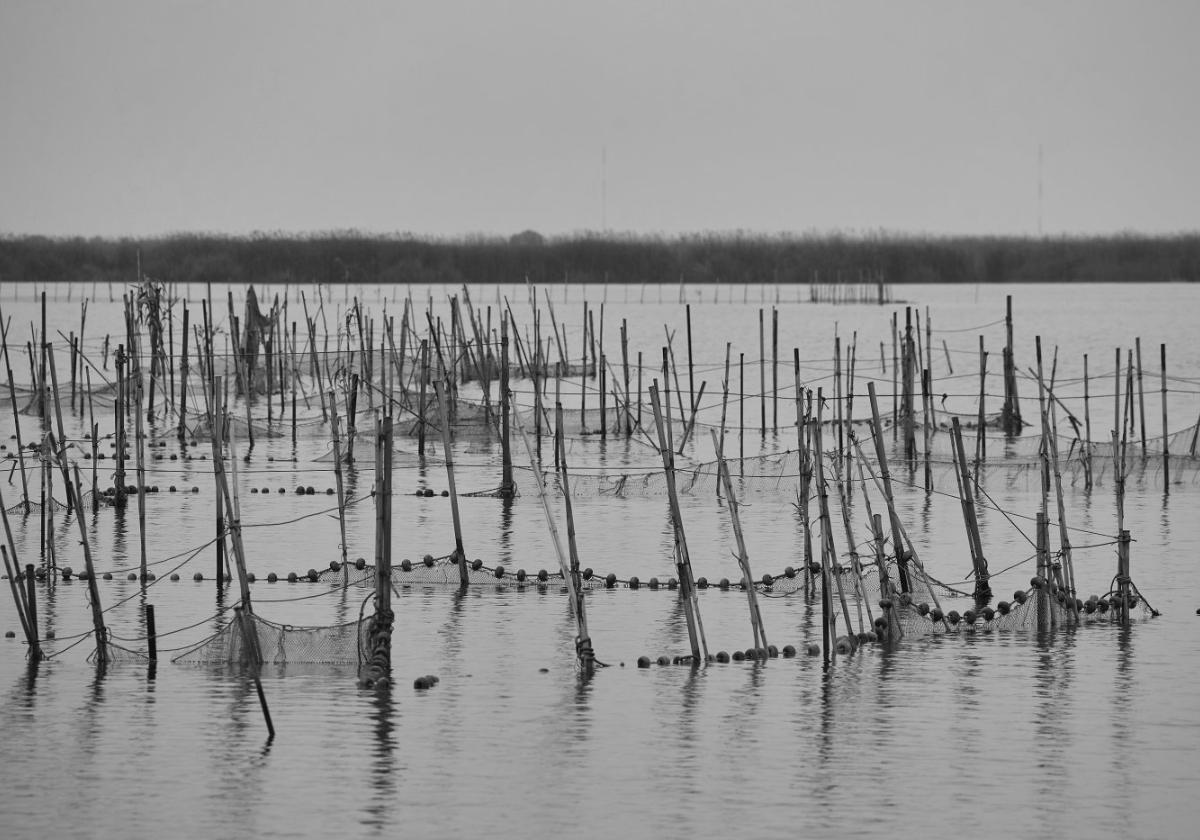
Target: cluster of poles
column 404, row 376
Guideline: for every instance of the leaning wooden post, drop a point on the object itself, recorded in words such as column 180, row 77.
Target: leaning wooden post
column 881, row 456
column 743, row 557
column 460, row 555
column 983, row 591
column 93, row 591
column 252, row 656
column 683, row 563
column 35, row 650
column 583, row 641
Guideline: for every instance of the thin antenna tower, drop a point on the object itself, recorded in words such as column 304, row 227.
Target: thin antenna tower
column 1039, row 174
column 604, row 189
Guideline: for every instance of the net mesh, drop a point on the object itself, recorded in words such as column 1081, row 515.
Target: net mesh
column 282, row 643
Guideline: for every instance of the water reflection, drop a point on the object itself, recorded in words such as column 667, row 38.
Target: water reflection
column 384, row 774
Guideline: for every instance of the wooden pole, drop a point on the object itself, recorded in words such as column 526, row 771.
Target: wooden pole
column 460, row 555
column 743, row 557
column 506, row 479
column 1162, row 348
column 683, row 563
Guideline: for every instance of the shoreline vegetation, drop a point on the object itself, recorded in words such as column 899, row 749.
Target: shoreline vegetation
column 734, row 258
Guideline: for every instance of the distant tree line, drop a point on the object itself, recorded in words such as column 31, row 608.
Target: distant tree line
column 353, row 257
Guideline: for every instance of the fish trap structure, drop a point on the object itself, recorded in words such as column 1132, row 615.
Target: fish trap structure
column 1032, row 610
column 281, row 643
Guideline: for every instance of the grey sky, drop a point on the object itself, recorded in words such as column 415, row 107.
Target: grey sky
column 454, row 118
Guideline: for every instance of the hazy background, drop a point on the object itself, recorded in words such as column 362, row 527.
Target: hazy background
column 138, row 118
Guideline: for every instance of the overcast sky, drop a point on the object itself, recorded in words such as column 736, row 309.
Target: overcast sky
column 450, row 118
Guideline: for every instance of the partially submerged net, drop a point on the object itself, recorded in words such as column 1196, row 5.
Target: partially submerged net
column 1024, row 613
column 282, row 643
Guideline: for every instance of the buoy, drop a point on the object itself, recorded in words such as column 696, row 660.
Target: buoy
column 653, row 583
column 789, row 572
column 445, row 494
column 82, row 576
column 422, row 683
column 50, row 634
column 988, row 613
column 813, row 649
column 722, row 656
column 543, row 575
column 131, row 576
column 845, row 645
column 476, row 564
column 428, row 492
column 664, row 660
column 195, row 489
column 767, row 580
column 1003, row 607
column 360, row 564
column 292, row 577
column 174, row 576
column 672, row 584
column 1019, row 597
column 272, row 577
column 610, row 580
column 428, row 561
column 923, row 608
column 108, row 576
column 724, row 584
column 251, row 577
column 587, row 573
column 9, row 634
column 969, row 616
column 633, row 582
column 739, row 656
column 772, row 651
column 67, row 572
column 520, row 575
column 312, row 574
column 406, row 565
column 752, row 654
column 953, row 617
column 789, row 651
column 935, row 614
column 334, row 566
column 499, row 572
column 643, row 661
column 198, row 576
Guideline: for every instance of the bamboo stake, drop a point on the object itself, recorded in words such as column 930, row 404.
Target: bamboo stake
column 683, row 563
column 743, row 557
column 1166, row 447
column 583, row 641
column 440, row 388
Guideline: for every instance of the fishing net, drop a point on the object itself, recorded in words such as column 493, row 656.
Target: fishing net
column 118, row 655
column 444, row 571
column 1024, row 613
column 282, row 643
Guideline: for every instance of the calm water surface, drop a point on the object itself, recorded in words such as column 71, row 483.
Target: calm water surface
column 1087, row 732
